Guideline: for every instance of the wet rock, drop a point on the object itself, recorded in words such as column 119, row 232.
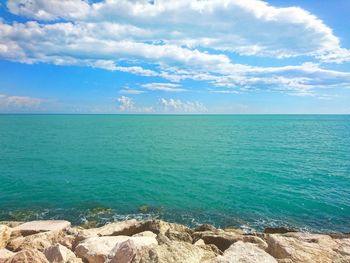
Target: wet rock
column 5, row 234
column 34, row 227
column 28, row 256
column 173, row 252
column 98, row 249
column 241, row 252
column 60, row 254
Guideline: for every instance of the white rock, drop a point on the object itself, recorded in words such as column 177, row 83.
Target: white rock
column 5, row 254
column 199, row 242
column 35, row 227
column 97, row 249
column 60, row 254
column 125, row 228
column 145, row 234
column 123, row 252
column 241, row 252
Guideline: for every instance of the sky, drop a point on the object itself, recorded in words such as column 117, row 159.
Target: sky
column 183, row 56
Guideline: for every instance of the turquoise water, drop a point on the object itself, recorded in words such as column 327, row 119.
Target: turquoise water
column 250, row 171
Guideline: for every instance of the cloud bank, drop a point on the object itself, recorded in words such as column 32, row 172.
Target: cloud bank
column 180, row 40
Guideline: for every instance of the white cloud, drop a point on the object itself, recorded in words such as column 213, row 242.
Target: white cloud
column 178, row 40
column 215, row 24
column 19, row 102
column 131, row 91
column 127, row 104
column 179, row 106
column 166, row 87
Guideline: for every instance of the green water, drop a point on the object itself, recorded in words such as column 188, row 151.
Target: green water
column 250, row 171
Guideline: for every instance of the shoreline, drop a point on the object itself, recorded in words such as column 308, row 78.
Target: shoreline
column 160, row 241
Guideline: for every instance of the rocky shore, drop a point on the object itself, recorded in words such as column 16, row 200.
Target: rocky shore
column 156, row 241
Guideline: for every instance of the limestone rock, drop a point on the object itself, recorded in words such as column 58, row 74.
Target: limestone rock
column 159, row 226
column 173, row 252
column 199, row 242
column 5, row 254
column 126, row 228
column 145, row 234
column 178, row 236
column 34, row 227
column 172, row 231
column 98, row 249
column 5, row 234
column 11, row 223
column 205, row 227
column 60, row 254
column 28, row 256
column 305, row 247
column 241, row 252
column 123, row 252
column 223, row 240
column 38, row 241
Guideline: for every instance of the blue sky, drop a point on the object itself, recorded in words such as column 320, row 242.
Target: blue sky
column 184, row 56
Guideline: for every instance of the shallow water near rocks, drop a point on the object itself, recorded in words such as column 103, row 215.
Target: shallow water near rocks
column 249, row 171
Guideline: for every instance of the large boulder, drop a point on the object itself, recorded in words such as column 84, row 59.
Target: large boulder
column 305, row 247
column 125, row 228
column 223, row 240
column 145, row 234
column 38, row 241
column 28, row 256
column 34, row 227
column 5, row 234
column 241, row 252
column 60, row 254
column 5, row 254
column 172, row 231
column 11, row 223
column 173, row 252
column 99, row 249
column 123, row 252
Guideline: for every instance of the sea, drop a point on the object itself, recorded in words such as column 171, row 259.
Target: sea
column 241, row 171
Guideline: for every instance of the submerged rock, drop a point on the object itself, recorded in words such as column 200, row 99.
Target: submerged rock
column 28, row 256
column 34, row 227
column 5, row 234
column 241, row 252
